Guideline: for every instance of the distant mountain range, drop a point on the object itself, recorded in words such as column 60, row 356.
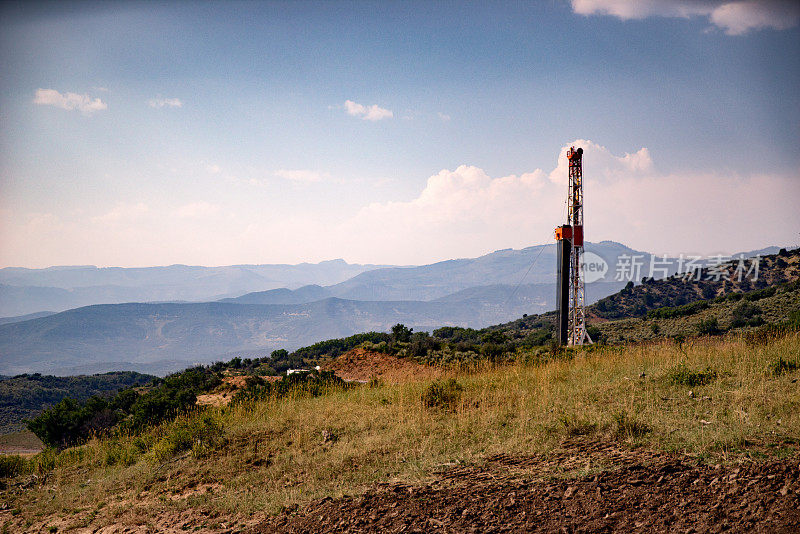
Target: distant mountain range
column 25, row 291
column 160, row 337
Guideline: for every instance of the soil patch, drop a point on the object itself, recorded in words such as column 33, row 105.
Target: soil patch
column 360, row 365
column 585, row 487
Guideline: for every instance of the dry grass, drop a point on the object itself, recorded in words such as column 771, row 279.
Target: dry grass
column 238, row 461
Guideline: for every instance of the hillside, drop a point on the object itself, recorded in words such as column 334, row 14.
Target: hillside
column 437, row 416
column 615, row 438
column 494, row 276
column 24, row 291
column 26, row 396
column 676, row 290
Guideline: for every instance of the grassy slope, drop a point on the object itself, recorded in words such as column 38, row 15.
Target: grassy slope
column 275, row 453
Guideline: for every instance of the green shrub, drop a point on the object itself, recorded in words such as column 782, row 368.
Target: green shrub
column 678, row 311
column 115, row 453
column 311, row 384
column 655, row 329
column 745, row 313
column 538, row 338
column 708, row 327
column 45, row 461
column 442, row 394
column 681, row 375
column 330, row 348
column 759, row 294
column 595, row 334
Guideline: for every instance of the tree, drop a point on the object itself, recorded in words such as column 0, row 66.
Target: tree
column 400, row 333
column 59, row 426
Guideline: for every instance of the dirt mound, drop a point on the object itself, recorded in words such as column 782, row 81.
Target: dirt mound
column 362, row 365
column 230, row 385
column 643, row 492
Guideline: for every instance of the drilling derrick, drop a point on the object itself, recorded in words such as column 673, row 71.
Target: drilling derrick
column 570, row 280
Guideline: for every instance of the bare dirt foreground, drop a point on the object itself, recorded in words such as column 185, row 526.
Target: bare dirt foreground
column 585, row 487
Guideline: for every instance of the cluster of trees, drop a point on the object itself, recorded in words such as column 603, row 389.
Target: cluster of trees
column 23, row 397
column 335, row 347
column 71, row 421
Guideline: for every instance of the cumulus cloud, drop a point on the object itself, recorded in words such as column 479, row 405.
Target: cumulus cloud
column 302, row 175
column 68, row 101
column 367, row 113
column 734, row 17
column 164, row 103
column 464, row 211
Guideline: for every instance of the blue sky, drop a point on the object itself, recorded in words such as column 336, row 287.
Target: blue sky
column 268, row 132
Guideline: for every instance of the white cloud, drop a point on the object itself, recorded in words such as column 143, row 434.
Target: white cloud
column 458, row 212
column 164, row 102
column 444, row 116
column 735, row 17
column 122, row 212
column 68, row 101
column 196, row 210
column 367, row 113
column 302, row 175
column 464, row 212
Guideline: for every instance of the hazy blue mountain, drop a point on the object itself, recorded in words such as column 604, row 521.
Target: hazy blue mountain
column 27, row 317
column 531, row 265
column 24, row 291
column 760, row 252
column 158, row 338
column 199, row 332
column 309, row 293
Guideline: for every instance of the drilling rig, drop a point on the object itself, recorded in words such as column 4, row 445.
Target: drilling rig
column 570, row 279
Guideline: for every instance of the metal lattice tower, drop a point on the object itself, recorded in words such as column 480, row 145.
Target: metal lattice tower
column 570, row 283
column 577, row 334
